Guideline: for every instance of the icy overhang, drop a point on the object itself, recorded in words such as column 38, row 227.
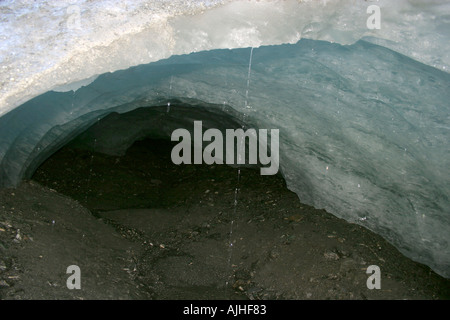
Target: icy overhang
column 50, row 44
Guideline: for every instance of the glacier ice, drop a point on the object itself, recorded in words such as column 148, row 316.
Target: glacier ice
column 364, row 130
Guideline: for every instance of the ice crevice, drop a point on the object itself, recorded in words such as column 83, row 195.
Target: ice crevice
column 364, row 121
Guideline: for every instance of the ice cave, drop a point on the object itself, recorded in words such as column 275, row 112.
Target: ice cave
column 363, row 110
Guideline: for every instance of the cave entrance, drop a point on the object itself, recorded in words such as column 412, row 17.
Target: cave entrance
column 199, row 232
column 185, row 218
column 124, row 161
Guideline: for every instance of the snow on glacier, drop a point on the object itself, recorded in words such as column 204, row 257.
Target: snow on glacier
column 364, row 130
column 46, row 44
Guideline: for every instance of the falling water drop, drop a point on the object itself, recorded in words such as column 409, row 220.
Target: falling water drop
column 237, row 188
column 170, row 93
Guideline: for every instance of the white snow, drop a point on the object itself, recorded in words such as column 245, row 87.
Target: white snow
column 47, row 44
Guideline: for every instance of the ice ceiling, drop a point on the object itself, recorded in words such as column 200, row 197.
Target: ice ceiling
column 363, row 113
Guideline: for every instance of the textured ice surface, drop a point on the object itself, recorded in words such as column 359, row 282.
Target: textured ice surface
column 364, row 131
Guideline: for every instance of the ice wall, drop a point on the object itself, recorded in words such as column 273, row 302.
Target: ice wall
column 364, row 130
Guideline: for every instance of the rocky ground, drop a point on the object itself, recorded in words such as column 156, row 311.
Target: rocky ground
column 140, row 227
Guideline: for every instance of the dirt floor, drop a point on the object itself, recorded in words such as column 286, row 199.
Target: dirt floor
column 140, row 227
